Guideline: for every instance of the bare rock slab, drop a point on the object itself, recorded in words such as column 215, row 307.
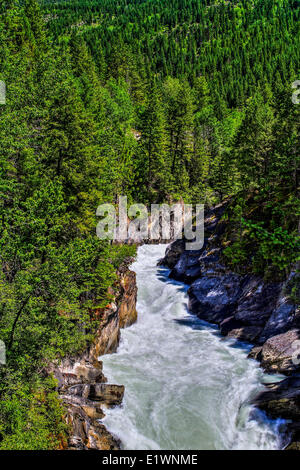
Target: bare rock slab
column 279, row 353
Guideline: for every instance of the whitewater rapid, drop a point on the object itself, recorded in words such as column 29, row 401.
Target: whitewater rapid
column 186, row 387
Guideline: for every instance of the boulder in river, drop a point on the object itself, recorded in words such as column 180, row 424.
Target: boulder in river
column 281, row 399
column 279, row 353
column 281, row 320
column 187, row 268
column 214, row 298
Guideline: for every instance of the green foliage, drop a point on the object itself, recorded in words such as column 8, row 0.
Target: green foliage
column 263, row 236
column 31, row 419
column 157, row 101
column 236, row 45
column 55, row 171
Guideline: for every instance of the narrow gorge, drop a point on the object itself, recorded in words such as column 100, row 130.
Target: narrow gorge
column 203, row 367
column 190, row 384
column 185, row 386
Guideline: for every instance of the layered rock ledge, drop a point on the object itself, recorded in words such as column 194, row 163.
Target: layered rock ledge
column 247, row 308
column 82, row 385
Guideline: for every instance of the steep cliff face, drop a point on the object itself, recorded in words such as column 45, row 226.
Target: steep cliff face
column 247, row 308
column 81, row 383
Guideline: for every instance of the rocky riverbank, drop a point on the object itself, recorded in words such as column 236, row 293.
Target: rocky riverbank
column 81, row 383
column 248, row 308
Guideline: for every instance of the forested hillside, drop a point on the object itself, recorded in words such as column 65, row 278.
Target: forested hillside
column 210, row 87
column 234, row 44
column 159, row 101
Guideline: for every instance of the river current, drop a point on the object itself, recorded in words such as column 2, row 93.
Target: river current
column 186, row 387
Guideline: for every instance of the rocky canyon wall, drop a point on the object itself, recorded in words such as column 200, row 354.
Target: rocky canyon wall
column 247, row 308
column 82, row 385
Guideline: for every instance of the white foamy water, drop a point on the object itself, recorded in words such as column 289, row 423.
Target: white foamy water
column 186, row 387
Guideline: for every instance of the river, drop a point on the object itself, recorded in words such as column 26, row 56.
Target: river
column 186, row 387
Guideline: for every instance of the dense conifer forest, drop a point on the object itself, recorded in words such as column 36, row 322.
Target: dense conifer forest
column 160, row 101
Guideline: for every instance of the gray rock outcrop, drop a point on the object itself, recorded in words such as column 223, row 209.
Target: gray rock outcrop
column 247, row 308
